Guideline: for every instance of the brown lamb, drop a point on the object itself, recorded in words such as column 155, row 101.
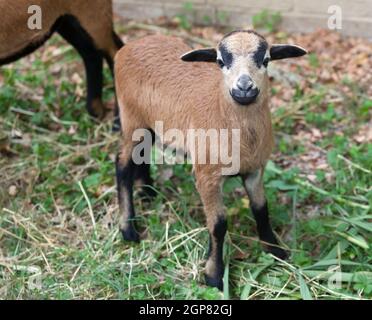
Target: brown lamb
column 227, row 87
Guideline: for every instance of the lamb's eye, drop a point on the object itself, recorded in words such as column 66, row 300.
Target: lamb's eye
column 266, row 62
column 220, row 63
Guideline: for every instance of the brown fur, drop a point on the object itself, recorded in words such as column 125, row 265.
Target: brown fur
column 148, row 90
column 154, row 84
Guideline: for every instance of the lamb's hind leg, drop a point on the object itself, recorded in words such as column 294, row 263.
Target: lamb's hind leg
column 71, row 30
column 125, row 170
column 143, row 176
column 211, row 195
column 253, row 184
column 143, row 170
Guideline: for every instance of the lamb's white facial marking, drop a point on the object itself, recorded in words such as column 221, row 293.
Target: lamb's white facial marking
column 243, row 58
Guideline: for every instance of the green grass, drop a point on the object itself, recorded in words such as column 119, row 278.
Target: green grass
column 63, row 165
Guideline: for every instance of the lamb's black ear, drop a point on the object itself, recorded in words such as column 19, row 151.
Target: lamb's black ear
column 284, row 51
column 201, row 55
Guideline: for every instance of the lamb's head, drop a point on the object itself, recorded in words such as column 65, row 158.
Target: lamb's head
column 243, row 57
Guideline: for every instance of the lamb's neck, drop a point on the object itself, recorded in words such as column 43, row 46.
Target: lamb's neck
column 258, row 111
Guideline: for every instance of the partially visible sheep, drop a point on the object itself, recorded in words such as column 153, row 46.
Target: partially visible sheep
column 230, row 92
column 86, row 25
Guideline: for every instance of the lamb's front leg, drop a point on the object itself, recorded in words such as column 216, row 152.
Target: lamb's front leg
column 253, row 184
column 210, row 190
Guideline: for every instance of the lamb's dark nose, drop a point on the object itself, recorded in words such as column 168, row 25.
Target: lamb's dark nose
column 245, row 92
column 245, row 83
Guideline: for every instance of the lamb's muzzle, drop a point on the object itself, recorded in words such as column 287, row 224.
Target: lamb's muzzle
column 204, row 89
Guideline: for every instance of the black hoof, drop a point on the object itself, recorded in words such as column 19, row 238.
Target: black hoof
column 278, row 252
column 214, row 282
column 130, row 235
